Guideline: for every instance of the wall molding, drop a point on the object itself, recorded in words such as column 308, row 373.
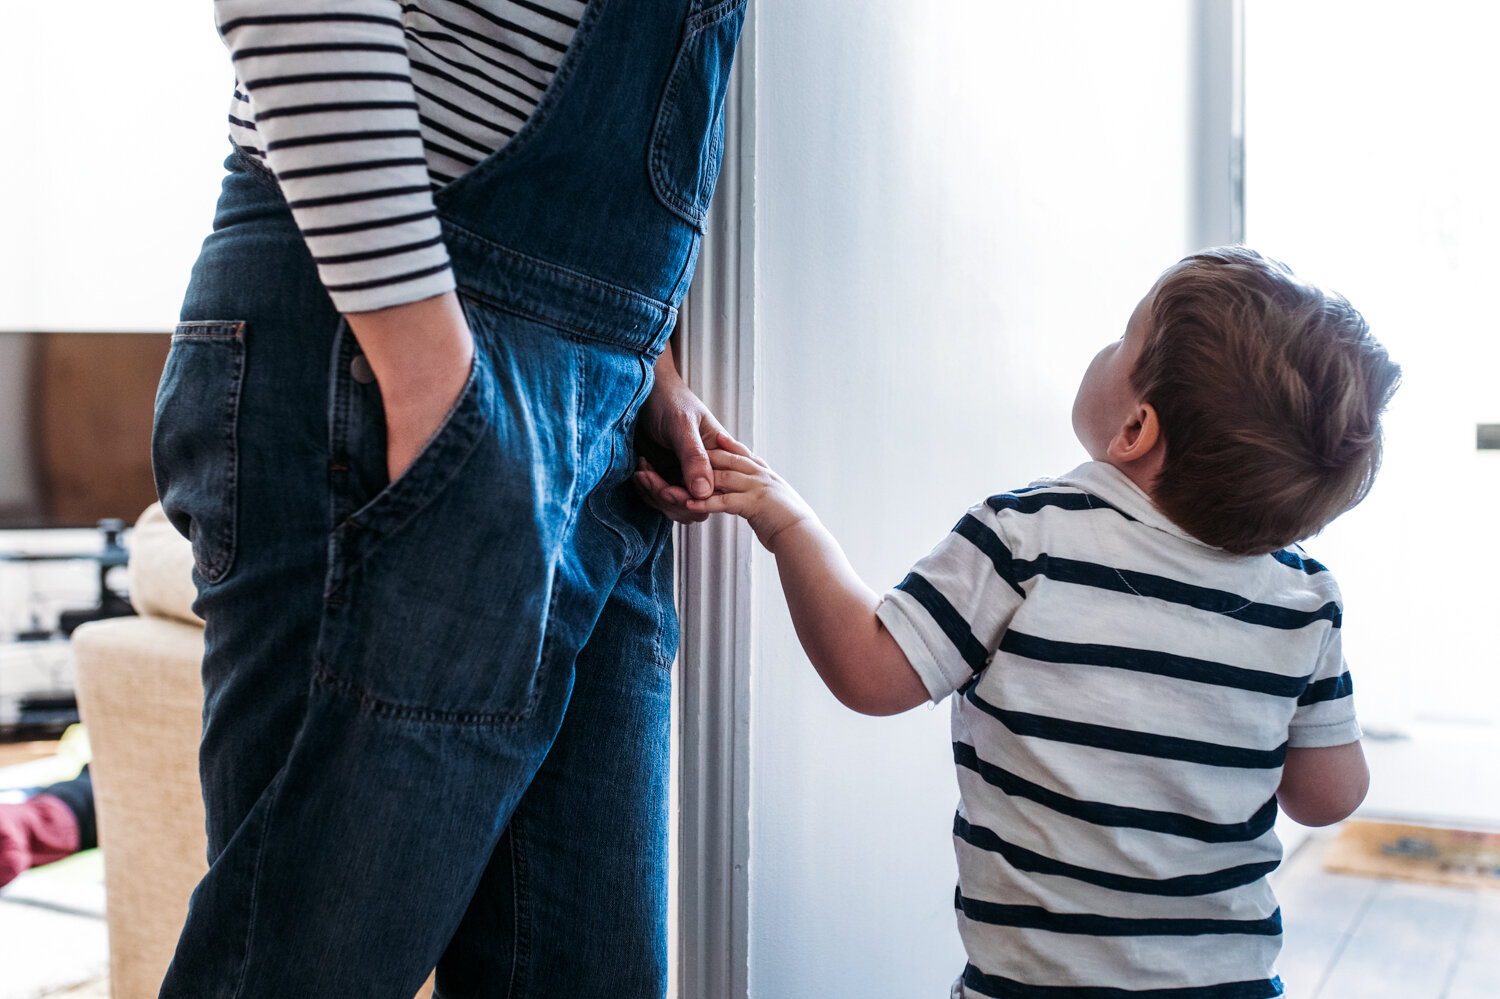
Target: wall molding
column 717, row 351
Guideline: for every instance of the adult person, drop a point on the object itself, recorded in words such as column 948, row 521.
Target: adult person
column 397, row 424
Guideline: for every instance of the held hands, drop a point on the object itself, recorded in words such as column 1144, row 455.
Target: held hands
column 672, row 438
column 834, row 612
column 745, row 486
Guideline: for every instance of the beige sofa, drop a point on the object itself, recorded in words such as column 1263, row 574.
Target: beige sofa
column 140, row 696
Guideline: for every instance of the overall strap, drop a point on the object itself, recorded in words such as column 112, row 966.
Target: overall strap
column 605, row 187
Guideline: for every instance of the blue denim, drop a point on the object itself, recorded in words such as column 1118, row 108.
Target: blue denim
column 436, row 710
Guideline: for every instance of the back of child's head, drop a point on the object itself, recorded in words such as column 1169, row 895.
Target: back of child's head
column 1269, row 393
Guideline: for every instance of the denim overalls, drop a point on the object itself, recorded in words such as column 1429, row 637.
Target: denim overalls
column 437, row 710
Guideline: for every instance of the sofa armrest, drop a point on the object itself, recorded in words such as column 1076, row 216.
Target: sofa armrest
column 140, row 695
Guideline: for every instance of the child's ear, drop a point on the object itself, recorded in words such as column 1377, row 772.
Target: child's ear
column 1138, row 437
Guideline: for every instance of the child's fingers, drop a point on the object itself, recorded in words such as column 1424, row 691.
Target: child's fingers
column 729, row 480
column 733, row 482
column 717, row 503
column 721, row 459
column 728, row 443
column 733, row 446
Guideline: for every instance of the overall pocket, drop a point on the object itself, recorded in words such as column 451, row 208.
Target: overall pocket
column 195, row 440
column 687, row 142
column 366, row 503
column 440, row 585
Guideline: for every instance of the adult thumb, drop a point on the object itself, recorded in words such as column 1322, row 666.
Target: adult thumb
column 697, row 473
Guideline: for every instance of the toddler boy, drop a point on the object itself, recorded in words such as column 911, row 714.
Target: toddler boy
column 1144, row 662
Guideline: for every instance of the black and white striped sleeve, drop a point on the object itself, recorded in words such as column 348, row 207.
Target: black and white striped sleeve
column 336, row 120
column 1325, row 710
column 950, row 612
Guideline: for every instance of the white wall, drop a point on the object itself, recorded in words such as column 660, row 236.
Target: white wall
column 112, row 160
column 956, row 206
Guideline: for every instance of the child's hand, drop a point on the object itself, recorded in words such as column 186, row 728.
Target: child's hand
column 833, row 611
column 746, row 487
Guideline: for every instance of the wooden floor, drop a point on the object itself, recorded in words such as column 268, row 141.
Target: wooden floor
column 25, row 752
column 1359, row 938
column 97, row 989
column 1347, row 937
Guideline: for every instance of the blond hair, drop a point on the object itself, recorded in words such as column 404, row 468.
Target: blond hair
column 1269, row 393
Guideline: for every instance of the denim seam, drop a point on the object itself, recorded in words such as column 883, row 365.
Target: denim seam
column 543, row 658
column 635, row 554
column 552, row 96
column 660, row 186
column 570, row 525
column 662, row 607
column 544, row 654
column 257, row 170
column 575, row 333
column 198, row 329
column 397, row 508
column 381, row 708
column 338, row 428
column 560, row 270
column 521, row 938
column 713, row 15
column 231, row 333
column 255, row 881
column 228, row 542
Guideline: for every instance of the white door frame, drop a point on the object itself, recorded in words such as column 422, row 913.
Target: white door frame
column 717, row 351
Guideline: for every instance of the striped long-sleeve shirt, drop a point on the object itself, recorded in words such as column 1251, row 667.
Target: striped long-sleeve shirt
column 362, row 108
column 1124, row 697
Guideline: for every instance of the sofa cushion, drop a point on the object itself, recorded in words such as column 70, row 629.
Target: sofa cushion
column 139, row 694
column 161, row 569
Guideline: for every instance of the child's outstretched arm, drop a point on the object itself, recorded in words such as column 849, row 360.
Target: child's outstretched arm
column 832, row 609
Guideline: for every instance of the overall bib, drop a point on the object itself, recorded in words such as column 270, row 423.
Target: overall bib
column 436, row 715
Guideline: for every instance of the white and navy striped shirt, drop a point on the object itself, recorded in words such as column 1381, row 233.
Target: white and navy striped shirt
column 1125, row 696
column 361, row 108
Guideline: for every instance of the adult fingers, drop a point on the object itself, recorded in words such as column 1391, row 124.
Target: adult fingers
column 664, row 497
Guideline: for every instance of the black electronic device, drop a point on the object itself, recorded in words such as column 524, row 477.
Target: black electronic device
column 110, row 555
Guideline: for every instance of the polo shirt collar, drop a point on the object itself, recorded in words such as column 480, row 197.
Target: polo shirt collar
column 1115, row 488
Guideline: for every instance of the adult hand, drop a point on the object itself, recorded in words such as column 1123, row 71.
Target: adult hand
column 672, row 438
column 421, row 354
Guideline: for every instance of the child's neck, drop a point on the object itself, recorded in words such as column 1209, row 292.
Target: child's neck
column 1143, row 471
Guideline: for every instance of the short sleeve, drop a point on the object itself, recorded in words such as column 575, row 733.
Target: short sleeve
column 1325, row 711
column 950, row 611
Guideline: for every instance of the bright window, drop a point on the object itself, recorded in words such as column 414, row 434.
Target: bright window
column 1370, row 152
